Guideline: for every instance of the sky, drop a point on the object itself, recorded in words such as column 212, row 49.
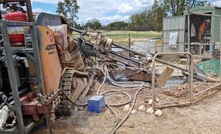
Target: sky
column 106, row 11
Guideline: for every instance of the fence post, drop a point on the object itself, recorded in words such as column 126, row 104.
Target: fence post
column 188, row 21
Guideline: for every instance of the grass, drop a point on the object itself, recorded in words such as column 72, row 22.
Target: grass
column 122, row 37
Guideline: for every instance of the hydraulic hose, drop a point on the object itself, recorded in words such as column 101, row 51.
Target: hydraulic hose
column 69, row 99
column 120, row 84
column 128, row 114
column 4, row 99
column 25, row 62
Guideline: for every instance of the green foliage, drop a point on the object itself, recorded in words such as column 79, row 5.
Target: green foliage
column 61, row 8
column 69, row 8
column 137, row 22
column 158, row 12
column 198, row 3
column 149, row 19
column 177, row 7
column 121, row 37
column 94, row 24
column 119, row 25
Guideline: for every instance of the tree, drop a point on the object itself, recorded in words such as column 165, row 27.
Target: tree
column 149, row 19
column 177, row 7
column 94, row 24
column 198, row 3
column 158, row 12
column 136, row 22
column 69, row 8
column 119, row 25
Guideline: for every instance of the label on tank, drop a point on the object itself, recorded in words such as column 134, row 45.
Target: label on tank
column 15, row 30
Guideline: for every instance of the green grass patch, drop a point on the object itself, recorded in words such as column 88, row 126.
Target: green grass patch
column 122, row 37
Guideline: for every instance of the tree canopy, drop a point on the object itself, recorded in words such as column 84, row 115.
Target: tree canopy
column 69, row 8
column 94, row 24
column 152, row 19
column 147, row 20
column 177, row 7
column 119, row 25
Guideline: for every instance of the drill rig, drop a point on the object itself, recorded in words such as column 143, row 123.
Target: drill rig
column 39, row 57
column 31, row 64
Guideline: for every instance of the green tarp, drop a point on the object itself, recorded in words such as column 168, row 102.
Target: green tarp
column 210, row 67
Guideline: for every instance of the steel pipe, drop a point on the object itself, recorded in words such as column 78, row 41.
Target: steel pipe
column 207, row 89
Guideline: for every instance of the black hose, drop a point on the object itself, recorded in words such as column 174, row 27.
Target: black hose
column 73, row 103
column 26, row 76
column 4, row 98
column 86, row 48
column 21, row 92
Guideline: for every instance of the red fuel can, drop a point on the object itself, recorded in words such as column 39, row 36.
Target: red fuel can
column 15, row 33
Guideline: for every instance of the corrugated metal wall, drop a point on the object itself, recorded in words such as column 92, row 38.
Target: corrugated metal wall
column 174, row 24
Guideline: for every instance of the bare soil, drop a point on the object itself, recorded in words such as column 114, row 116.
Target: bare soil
column 199, row 118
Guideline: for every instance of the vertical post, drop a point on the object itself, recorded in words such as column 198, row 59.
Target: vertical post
column 190, row 78
column 190, row 84
column 37, row 58
column 12, row 78
column 188, row 23
column 29, row 10
column 153, row 82
column 129, row 41
column 220, row 61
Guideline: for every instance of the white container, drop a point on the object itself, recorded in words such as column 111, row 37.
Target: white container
column 4, row 113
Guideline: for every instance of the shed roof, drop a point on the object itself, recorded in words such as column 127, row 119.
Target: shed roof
column 212, row 10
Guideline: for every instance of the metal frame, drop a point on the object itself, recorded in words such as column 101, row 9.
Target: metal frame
column 190, row 78
column 21, row 129
column 182, row 44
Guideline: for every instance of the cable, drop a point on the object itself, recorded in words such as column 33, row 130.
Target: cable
column 115, row 105
column 121, row 104
column 120, row 84
column 4, row 98
column 115, row 115
column 127, row 115
column 82, row 105
column 141, row 85
column 98, row 90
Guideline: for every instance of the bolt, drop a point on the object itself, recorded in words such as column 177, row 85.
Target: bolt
column 52, row 92
column 29, row 97
column 46, row 98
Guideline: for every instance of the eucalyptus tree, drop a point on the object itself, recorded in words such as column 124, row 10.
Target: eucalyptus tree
column 177, row 7
column 69, row 8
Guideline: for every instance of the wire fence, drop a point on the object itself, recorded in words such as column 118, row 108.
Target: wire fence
column 125, row 39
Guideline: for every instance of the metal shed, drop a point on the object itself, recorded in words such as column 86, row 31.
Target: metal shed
column 174, row 24
column 180, row 24
column 215, row 20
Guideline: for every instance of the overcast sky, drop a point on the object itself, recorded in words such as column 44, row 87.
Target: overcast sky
column 104, row 10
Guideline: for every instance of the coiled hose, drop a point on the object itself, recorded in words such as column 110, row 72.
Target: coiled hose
column 139, row 86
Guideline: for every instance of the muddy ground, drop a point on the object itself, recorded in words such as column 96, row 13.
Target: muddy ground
column 200, row 117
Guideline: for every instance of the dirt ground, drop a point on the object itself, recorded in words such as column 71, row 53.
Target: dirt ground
column 199, row 118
